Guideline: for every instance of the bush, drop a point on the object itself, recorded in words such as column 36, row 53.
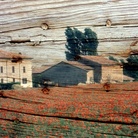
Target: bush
column 7, row 86
column 131, row 68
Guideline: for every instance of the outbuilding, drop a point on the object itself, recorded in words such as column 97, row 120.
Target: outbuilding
column 104, row 68
column 65, row 73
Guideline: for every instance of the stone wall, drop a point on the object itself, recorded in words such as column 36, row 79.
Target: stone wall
column 112, row 73
column 18, row 74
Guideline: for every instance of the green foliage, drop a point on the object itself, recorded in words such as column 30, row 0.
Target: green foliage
column 72, row 42
column 7, row 86
column 122, row 61
column 112, row 58
column 131, row 68
column 91, row 42
column 133, row 60
column 79, row 43
column 37, row 80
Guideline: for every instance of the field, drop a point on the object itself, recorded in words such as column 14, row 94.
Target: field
column 77, row 111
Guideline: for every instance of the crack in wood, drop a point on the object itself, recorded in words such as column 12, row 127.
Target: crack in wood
column 17, row 120
column 20, row 41
column 26, row 101
column 72, row 118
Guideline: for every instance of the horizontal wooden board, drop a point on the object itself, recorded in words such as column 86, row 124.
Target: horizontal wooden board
column 43, row 23
column 38, row 34
column 24, row 14
column 37, row 28
column 52, row 52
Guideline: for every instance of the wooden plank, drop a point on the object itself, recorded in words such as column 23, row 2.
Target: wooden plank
column 37, row 28
column 46, row 50
column 59, row 127
column 103, row 33
column 49, row 43
column 66, row 13
column 36, row 22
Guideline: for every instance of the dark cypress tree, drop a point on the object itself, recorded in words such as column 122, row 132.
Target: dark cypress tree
column 79, row 43
column 72, row 44
column 91, row 42
column 80, row 40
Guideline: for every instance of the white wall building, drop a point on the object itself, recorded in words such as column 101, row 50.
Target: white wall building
column 15, row 68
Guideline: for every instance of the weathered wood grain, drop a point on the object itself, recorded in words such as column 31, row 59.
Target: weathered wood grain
column 48, row 43
column 82, row 111
column 43, row 23
column 67, row 12
column 37, row 28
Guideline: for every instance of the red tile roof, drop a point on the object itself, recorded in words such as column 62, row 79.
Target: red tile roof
column 10, row 55
column 134, row 52
column 40, row 69
column 100, row 60
column 79, row 65
column 73, row 63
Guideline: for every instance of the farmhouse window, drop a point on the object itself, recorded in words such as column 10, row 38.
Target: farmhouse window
column 24, row 70
column 2, row 80
column 13, row 69
column 1, row 69
column 24, row 80
column 13, row 79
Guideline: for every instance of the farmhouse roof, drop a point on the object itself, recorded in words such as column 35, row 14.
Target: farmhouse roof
column 134, row 52
column 72, row 63
column 79, row 65
column 120, row 76
column 125, row 78
column 100, row 60
column 10, row 55
column 40, row 69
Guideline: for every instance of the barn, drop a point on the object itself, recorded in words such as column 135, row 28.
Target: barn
column 104, row 69
column 65, row 73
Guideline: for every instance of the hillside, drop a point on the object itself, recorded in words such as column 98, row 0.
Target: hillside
column 79, row 111
column 36, row 28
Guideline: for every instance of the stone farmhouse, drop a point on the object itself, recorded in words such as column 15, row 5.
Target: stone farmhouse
column 15, row 68
column 87, row 69
column 65, row 73
column 105, row 69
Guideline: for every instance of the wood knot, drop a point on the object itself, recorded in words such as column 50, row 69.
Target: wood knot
column 16, row 120
column 2, row 94
column 107, row 86
column 108, row 22
column 44, row 26
column 16, row 59
column 45, row 88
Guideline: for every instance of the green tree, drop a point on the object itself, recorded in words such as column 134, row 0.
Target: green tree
column 91, row 42
column 72, row 44
column 133, row 60
column 79, row 43
column 131, row 68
